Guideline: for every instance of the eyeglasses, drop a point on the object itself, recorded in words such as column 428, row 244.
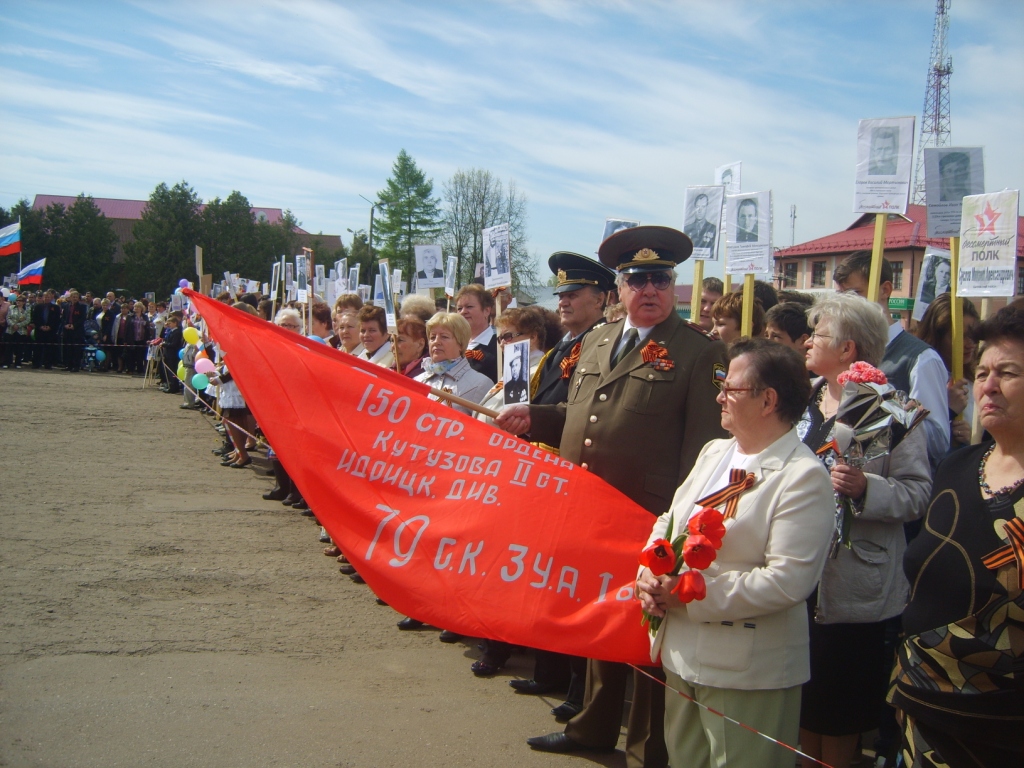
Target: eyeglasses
column 638, row 280
column 289, row 325
column 505, row 338
column 727, row 390
column 815, row 335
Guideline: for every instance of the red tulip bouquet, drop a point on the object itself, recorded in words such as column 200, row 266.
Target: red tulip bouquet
column 695, row 547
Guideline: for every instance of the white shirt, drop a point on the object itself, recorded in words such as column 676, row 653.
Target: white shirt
column 928, row 377
column 483, row 339
column 642, row 334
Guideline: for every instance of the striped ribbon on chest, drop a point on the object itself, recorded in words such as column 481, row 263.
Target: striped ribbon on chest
column 739, row 482
column 1005, row 555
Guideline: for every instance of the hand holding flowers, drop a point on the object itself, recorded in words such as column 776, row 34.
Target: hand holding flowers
column 696, row 548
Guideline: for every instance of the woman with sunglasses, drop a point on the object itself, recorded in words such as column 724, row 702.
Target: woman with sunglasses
column 863, row 585
column 516, row 325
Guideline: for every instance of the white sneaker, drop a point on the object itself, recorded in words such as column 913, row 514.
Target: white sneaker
column 325, row 537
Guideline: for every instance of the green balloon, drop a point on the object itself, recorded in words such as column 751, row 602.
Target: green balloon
column 200, row 381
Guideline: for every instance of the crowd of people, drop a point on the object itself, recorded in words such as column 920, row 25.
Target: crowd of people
column 845, row 597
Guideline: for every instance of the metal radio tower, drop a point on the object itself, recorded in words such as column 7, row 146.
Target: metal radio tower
column 935, row 118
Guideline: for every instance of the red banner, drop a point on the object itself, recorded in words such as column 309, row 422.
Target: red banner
column 449, row 520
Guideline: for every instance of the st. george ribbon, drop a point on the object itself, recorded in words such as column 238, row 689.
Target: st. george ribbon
column 448, row 519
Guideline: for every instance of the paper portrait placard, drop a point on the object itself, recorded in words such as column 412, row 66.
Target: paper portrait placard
column 749, row 232
column 516, row 373
column 988, row 245
column 450, row 275
column 885, row 161
column 497, row 265
column 702, row 218
column 950, row 175
column 934, row 281
column 429, row 266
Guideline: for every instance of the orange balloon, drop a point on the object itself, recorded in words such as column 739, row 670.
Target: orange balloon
column 201, row 355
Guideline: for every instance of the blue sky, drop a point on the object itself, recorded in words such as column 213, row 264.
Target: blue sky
column 595, row 109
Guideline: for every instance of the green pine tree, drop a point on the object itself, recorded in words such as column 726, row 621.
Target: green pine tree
column 411, row 215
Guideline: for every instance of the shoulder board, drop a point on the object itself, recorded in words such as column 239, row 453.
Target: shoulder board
column 697, row 328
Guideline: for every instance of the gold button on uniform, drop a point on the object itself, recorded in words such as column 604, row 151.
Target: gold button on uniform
column 588, row 442
column 584, row 465
column 650, row 376
column 593, row 419
column 602, row 398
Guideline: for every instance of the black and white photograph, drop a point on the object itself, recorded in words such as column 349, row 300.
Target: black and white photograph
column 302, row 277
column 429, row 272
column 749, row 232
column 516, row 373
column 936, row 276
column 611, row 226
column 950, row 175
column 885, row 160
column 450, row 275
column 729, row 177
column 703, row 206
column 497, row 267
column 386, row 294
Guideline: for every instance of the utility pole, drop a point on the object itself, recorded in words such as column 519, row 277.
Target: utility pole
column 935, row 130
column 792, row 226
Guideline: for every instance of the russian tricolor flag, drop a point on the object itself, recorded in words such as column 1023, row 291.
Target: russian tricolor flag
column 32, row 274
column 10, row 239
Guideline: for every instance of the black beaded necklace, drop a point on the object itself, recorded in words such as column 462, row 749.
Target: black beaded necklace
column 1006, row 490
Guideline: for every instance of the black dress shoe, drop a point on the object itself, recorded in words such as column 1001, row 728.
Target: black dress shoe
column 566, row 711
column 275, row 494
column 290, row 499
column 409, row 623
column 357, row 578
column 347, row 568
column 380, row 601
column 533, row 688
column 447, row 636
column 299, row 503
column 559, row 742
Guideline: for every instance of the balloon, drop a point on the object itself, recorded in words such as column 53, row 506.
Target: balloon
column 191, row 335
column 183, row 283
column 100, row 355
column 181, row 353
column 200, row 381
column 316, row 338
column 182, row 373
column 205, row 366
column 177, row 291
column 201, row 355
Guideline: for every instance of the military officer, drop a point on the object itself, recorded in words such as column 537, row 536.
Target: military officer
column 583, row 287
column 640, row 406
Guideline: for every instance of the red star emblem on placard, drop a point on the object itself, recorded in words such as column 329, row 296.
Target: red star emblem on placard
column 987, row 220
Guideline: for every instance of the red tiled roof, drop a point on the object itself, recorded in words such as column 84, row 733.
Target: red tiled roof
column 113, row 208
column 902, row 231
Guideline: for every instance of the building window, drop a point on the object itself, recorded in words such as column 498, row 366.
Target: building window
column 789, row 274
column 897, row 275
column 818, row 274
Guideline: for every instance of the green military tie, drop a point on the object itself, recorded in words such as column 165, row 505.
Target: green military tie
column 632, row 336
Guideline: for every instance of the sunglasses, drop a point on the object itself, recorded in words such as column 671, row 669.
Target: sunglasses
column 505, row 338
column 638, row 280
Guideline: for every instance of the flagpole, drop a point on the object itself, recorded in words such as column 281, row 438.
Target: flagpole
column 475, row 407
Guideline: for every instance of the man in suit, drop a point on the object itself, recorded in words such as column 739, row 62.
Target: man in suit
column 640, row 407
column 73, row 320
column 746, row 221
column 430, row 270
column 517, row 389
column 45, row 320
column 700, row 230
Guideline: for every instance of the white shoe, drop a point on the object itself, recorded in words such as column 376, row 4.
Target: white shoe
column 325, row 537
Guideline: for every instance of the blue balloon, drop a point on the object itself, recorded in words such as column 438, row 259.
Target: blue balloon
column 316, row 338
column 100, row 355
column 181, row 353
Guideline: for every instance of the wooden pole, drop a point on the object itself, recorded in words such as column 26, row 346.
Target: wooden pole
column 698, row 284
column 747, row 323
column 726, row 278
column 976, row 429
column 957, row 307
column 475, row 407
column 877, row 252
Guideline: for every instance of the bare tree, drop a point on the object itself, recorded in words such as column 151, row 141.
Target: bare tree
column 474, row 200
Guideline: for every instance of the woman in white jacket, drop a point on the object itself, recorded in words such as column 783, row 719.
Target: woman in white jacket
column 743, row 648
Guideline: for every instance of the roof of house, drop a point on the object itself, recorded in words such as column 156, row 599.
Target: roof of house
column 902, row 231
column 114, row 208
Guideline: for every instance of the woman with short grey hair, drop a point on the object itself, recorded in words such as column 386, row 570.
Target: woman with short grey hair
column 862, row 586
column 846, row 317
column 448, row 335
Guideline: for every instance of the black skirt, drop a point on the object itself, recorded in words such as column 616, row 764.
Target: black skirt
column 849, row 673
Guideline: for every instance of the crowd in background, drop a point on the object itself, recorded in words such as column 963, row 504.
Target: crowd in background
column 854, row 612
